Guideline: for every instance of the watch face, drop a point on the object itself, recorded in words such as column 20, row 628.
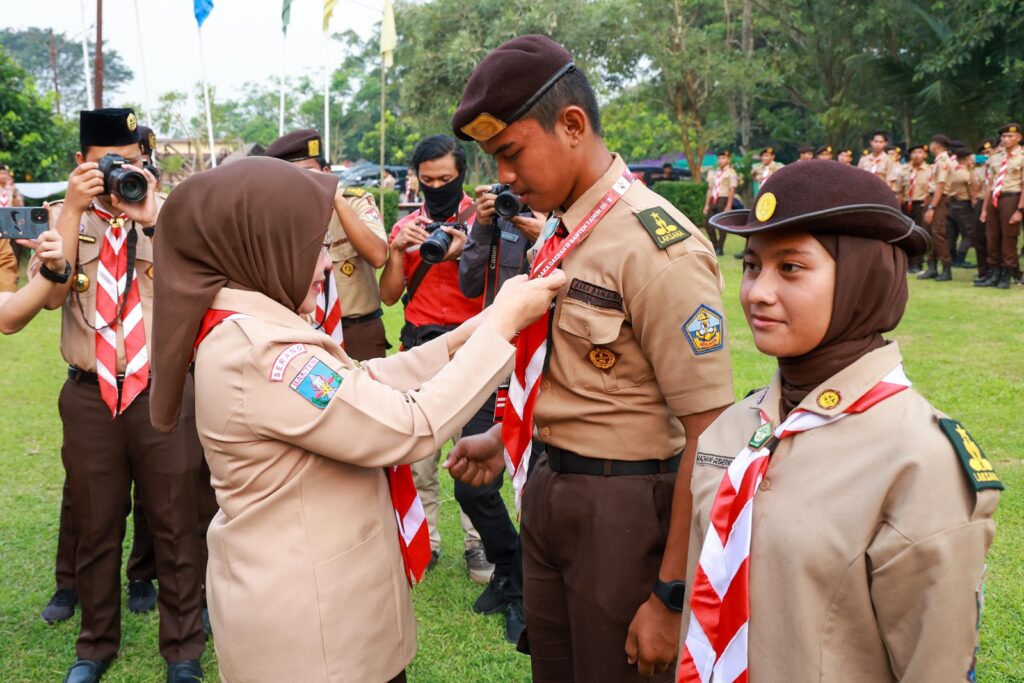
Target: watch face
column 677, row 593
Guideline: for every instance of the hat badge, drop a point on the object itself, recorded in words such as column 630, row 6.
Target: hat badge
column 313, row 148
column 131, row 121
column 152, row 140
column 765, row 208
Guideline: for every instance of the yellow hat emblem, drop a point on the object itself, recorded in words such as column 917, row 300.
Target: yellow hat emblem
column 829, row 399
column 484, row 127
column 314, row 148
column 152, row 141
column 765, row 208
column 132, row 122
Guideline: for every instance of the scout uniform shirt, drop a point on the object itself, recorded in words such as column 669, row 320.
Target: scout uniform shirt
column 869, row 536
column 77, row 333
column 881, row 165
column 918, row 192
column 638, row 336
column 760, row 173
column 941, row 168
column 306, row 577
column 1014, row 177
column 958, row 184
column 8, row 267
column 726, row 179
column 358, row 290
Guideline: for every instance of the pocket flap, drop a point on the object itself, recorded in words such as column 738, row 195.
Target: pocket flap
column 597, row 325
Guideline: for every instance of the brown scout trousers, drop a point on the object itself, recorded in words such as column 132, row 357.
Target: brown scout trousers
column 940, row 243
column 365, row 340
column 716, row 236
column 915, row 212
column 592, row 548
column 1002, row 235
column 102, row 456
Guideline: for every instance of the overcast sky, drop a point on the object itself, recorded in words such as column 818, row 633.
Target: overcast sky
column 242, row 38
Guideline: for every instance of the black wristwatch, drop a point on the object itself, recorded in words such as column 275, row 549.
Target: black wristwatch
column 672, row 593
column 59, row 278
column 148, row 231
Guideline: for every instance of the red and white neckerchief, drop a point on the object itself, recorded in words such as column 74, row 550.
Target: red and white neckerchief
column 997, row 186
column 875, row 161
column 110, row 278
column 330, row 320
column 913, row 179
column 413, row 534
column 716, row 637
column 5, row 197
column 765, row 172
column 532, row 342
column 717, row 185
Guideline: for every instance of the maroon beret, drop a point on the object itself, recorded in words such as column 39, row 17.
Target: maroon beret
column 823, row 149
column 296, row 145
column 942, row 140
column 1011, row 128
column 804, row 149
column 921, row 146
column 507, row 83
column 822, row 197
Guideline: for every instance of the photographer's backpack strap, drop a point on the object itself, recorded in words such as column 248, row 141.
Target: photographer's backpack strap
column 421, row 270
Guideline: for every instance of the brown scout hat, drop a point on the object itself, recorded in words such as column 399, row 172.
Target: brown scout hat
column 986, row 146
column 296, row 146
column 823, row 149
column 921, row 146
column 942, row 140
column 1011, row 128
column 823, row 197
column 507, row 83
column 147, row 138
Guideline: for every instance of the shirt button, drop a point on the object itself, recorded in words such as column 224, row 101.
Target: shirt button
column 765, row 484
column 545, row 431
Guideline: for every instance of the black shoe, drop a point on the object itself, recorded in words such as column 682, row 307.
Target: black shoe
column 964, row 263
column 929, row 274
column 495, row 596
column 61, row 606
column 435, row 555
column 514, row 621
column 991, row 281
column 1004, row 281
column 206, row 623
column 981, row 278
column 187, row 671
column 720, row 251
column 141, row 596
column 738, row 256
column 913, row 270
column 87, row 670
column 946, row 275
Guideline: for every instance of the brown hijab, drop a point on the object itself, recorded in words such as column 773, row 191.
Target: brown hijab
column 870, row 297
column 257, row 224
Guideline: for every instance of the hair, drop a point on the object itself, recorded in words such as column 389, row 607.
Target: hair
column 666, row 165
column 437, row 146
column 572, row 89
column 322, row 162
column 884, row 134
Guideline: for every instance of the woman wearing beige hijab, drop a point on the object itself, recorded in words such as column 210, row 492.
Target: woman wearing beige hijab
column 308, row 577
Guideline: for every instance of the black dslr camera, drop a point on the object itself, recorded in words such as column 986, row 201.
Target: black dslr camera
column 507, row 204
column 437, row 245
column 129, row 185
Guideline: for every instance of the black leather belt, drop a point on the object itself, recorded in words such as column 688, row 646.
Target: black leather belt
column 84, row 377
column 356, row 319
column 567, row 462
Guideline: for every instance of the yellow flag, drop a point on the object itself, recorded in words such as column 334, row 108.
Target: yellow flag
column 388, row 39
column 328, row 11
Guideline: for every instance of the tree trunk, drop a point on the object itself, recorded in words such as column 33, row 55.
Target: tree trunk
column 53, row 67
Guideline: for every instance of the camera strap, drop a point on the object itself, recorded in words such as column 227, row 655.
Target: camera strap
column 421, row 270
column 493, row 257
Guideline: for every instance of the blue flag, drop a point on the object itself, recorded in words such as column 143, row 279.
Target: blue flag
column 203, row 9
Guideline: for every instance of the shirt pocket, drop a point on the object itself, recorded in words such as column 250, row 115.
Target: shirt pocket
column 599, row 349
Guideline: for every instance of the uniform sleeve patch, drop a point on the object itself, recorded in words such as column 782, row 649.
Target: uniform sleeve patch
column 979, row 470
column 354, row 192
column 594, row 295
column 663, row 229
column 283, row 359
column 705, row 330
column 317, row 383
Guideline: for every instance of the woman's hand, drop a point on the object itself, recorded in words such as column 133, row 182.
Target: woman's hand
column 521, row 301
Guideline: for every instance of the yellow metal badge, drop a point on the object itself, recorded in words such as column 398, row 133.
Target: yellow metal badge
column 484, row 127
column 765, row 208
column 347, row 268
column 149, row 272
column 132, row 122
column 80, row 283
column 829, row 399
column 313, row 147
column 602, row 358
column 152, row 141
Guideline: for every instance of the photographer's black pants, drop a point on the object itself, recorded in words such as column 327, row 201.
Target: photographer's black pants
column 486, row 509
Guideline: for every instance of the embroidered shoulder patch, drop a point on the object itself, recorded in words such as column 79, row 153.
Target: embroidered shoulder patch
column 979, row 469
column 705, row 330
column 317, row 383
column 283, row 359
column 662, row 228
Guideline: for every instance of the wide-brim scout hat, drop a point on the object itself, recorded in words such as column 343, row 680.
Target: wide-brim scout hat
column 507, row 83
column 822, row 197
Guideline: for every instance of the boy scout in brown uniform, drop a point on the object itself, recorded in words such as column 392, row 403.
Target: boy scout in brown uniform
column 102, row 456
column 979, row 187
column 1004, row 207
column 763, row 169
column 960, row 223
column 878, row 161
column 358, row 248
column 913, row 191
column 937, row 210
column 637, row 364
column 722, row 184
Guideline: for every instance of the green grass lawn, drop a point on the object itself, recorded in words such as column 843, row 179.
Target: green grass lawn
column 964, row 350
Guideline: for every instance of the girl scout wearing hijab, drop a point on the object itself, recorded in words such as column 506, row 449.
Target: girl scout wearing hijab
column 840, row 522
column 307, row 577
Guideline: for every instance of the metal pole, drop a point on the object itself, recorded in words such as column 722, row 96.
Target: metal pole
column 142, row 62
column 383, row 83
column 206, row 98
column 53, row 67
column 280, row 113
column 98, row 69
column 327, row 97
column 85, row 58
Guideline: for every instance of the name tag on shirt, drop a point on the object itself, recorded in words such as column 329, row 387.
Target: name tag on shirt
column 509, row 236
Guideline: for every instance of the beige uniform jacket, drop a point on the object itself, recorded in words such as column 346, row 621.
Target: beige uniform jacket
column 8, row 267
column 883, row 164
column 78, row 314
column 868, row 546
column 918, row 191
column 305, row 579
column 729, row 180
column 958, row 184
column 637, row 335
column 1013, row 180
column 760, row 173
column 941, row 168
column 358, row 290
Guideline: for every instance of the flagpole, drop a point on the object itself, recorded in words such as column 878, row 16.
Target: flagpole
column 142, row 62
column 383, row 123
column 327, row 96
column 280, row 116
column 85, row 58
column 206, row 98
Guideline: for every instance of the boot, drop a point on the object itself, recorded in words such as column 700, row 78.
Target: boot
column 961, row 261
column 1004, row 280
column 992, row 279
column 929, row 274
column 947, row 273
column 982, row 276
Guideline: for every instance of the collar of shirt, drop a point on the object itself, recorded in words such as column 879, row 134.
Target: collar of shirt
column 589, row 199
column 850, row 383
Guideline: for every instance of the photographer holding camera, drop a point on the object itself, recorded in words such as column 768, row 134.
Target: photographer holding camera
column 107, row 222
column 423, row 271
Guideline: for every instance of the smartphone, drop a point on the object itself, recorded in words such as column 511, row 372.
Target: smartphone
column 24, row 222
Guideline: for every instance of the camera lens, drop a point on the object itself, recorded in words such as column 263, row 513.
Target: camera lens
column 129, row 185
column 39, row 216
column 507, row 205
column 436, row 246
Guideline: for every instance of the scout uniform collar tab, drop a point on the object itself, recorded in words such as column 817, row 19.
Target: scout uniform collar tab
column 575, row 213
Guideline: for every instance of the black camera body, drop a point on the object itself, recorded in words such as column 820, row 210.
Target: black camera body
column 129, row 185
column 152, row 169
column 507, row 204
column 437, row 245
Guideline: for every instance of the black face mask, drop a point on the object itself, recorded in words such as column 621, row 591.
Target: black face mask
column 443, row 202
